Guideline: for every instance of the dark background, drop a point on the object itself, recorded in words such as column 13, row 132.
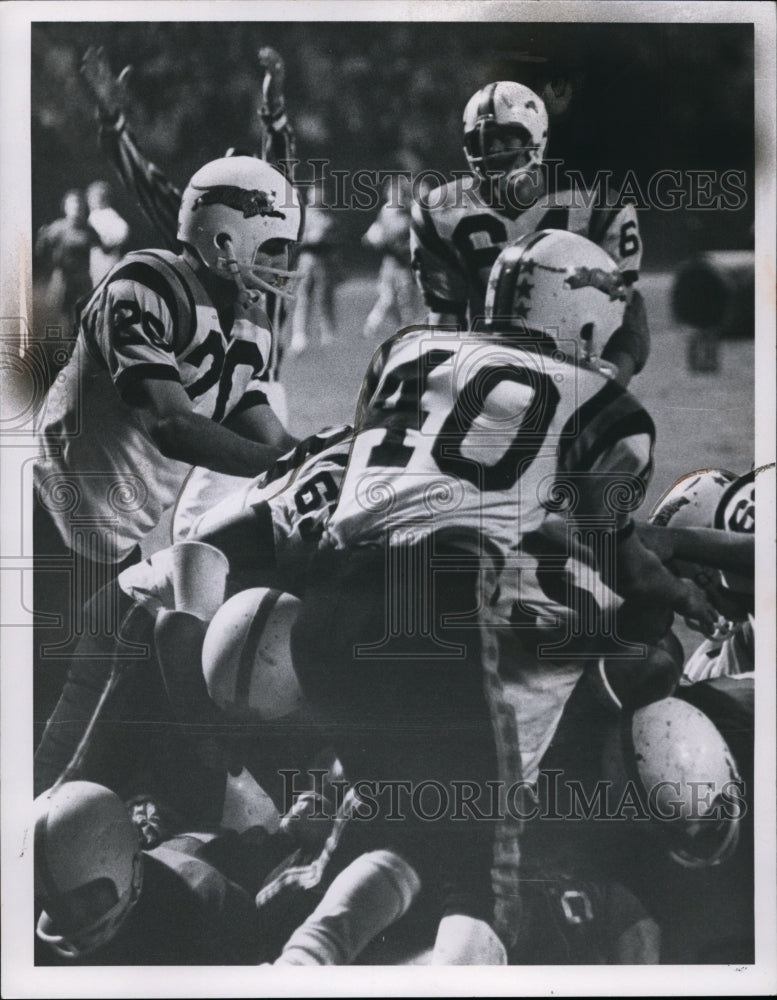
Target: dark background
column 648, row 97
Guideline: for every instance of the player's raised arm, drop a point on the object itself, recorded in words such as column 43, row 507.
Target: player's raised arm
column 157, row 196
column 278, row 140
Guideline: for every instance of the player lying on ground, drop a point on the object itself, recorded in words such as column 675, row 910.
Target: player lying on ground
column 131, row 886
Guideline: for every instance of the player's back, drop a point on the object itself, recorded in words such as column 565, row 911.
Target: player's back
column 467, row 432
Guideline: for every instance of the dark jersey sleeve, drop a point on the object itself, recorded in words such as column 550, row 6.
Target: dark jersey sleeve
column 279, row 144
column 159, row 198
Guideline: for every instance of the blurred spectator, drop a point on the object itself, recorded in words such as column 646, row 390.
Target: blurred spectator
column 390, row 234
column 317, row 274
column 65, row 245
column 109, row 226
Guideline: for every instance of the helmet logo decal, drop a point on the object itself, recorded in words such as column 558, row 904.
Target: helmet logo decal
column 594, row 277
column 250, row 203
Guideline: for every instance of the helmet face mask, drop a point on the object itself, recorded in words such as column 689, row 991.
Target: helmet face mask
column 88, row 866
column 238, row 216
column 505, row 134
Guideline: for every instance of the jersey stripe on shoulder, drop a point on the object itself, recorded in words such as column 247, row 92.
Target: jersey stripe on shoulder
column 609, row 416
column 600, row 221
column 555, row 218
column 159, row 271
column 180, row 269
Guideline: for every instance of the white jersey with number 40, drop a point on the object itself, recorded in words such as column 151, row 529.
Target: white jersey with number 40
column 470, row 433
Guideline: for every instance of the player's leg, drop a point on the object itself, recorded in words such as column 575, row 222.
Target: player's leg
column 385, row 305
column 102, row 666
column 64, row 582
column 407, row 707
column 300, row 319
column 326, row 297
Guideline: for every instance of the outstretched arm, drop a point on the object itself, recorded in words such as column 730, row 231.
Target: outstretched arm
column 157, row 196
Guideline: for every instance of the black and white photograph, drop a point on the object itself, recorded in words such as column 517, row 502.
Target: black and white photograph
column 387, row 392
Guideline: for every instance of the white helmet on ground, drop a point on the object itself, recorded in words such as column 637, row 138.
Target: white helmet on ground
column 88, row 866
column 684, row 773
column 236, row 208
column 246, row 657
column 497, row 112
column 557, row 287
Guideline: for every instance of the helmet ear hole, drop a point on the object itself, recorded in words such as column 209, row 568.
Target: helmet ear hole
column 221, row 240
column 587, row 333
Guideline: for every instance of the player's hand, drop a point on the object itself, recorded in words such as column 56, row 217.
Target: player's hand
column 274, row 79
column 108, row 90
column 699, row 613
column 629, row 347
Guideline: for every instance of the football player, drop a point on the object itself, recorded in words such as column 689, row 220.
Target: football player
column 160, row 198
column 459, row 229
column 165, row 373
column 317, row 268
column 187, row 896
column 390, row 234
column 462, row 443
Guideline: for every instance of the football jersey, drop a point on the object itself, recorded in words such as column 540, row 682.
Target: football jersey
column 473, row 434
column 301, row 490
column 160, row 199
column 456, row 236
column 149, row 319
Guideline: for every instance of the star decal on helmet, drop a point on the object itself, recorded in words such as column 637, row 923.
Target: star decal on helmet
column 594, row 277
column 250, row 203
column 524, row 289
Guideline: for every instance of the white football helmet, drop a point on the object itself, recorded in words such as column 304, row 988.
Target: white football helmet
column 736, row 512
column 685, row 775
column 496, row 112
column 88, row 866
column 554, row 286
column 691, row 502
column 246, row 656
column 236, row 210
column 712, row 498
